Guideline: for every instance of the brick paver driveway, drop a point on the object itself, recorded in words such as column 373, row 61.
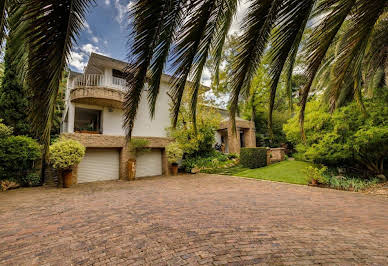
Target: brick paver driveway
column 197, row 219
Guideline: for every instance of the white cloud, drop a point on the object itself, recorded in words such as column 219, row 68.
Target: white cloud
column 77, row 60
column 122, row 10
column 206, row 77
column 107, row 2
column 105, row 42
column 87, row 27
column 242, row 10
column 89, row 48
column 95, row 39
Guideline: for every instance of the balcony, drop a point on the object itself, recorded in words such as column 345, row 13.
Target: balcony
column 97, row 80
column 96, row 89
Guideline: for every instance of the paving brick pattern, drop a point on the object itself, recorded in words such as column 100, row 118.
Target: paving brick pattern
column 194, row 219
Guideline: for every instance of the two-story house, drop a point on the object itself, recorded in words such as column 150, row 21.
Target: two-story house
column 93, row 115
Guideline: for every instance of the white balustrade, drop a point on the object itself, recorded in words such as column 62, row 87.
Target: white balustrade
column 97, row 80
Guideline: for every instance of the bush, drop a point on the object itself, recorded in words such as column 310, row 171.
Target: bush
column 317, row 175
column 31, row 180
column 139, row 145
column 214, row 159
column 17, row 157
column 5, row 131
column 348, row 137
column 174, row 152
column 66, row 153
column 353, row 184
column 253, row 157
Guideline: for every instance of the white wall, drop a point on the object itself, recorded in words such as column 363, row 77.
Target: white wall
column 156, row 127
column 112, row 121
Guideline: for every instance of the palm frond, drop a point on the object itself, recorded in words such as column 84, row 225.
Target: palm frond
column 189, row 50
column 147, row 16
column 288, row 34
column 213, row 40
column 352, row 46
column 257, row 26
column 377, row 54
column 172, row 19
column 3, row 20
column 54, row 27
column 320, row 41
column 17, row 39
column 225, row 23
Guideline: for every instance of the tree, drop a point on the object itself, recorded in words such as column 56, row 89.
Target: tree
column 14, row 102
column 47, row 30
column 280, row 23
column 345, row 138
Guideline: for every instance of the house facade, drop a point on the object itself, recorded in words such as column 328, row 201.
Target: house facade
column 93, row 116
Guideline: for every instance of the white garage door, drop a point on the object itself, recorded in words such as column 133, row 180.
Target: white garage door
column 99, row 165
column 149, row 163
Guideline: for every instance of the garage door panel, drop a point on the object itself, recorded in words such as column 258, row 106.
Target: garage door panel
column 149, row 163
column 99, row 165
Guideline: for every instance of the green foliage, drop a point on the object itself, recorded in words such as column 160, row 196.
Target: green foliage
column 316, row 175
column 14, row 99
column 174, row 152
column 352, row 184
column 18, row 155
column 213, row 160
column 66, row 153
column 200, row 142
column 347, row 137
column 5, row 131
column 253, row 157
column 31, row 180
column 139, row 145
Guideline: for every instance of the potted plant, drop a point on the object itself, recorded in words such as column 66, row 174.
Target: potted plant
column 64, row 154
column 174, row 154
column 136, row 146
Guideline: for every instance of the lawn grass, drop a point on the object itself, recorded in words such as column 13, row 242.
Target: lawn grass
column 286, row 171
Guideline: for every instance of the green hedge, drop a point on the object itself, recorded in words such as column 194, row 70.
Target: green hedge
column 17, row 158
column 253, row 157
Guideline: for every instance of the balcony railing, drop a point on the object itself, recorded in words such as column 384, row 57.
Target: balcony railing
column 97, row 80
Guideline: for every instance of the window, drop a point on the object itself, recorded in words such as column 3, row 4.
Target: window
column 87, row 120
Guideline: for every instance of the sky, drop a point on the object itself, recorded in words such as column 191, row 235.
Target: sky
column 106, row 32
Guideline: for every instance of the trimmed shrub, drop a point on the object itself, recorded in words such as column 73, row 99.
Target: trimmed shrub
column 31, row 180
column 5, row 131
column 174, row 152
column 253, row 157
column 17, row 157
column 66, row 153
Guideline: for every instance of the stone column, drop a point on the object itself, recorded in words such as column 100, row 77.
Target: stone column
column 165, row 164
column 125, row 155
column 233, row 140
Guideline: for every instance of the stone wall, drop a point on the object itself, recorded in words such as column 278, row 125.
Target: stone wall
column 277, row 154
column 234, row 137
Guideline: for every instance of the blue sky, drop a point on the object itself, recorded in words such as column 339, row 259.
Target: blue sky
column 106, row 32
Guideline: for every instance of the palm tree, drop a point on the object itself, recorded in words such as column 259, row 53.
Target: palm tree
column 186, row 32
column 190, row 31
column 45, row 31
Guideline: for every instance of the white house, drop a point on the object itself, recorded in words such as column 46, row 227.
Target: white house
column 93, row 115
